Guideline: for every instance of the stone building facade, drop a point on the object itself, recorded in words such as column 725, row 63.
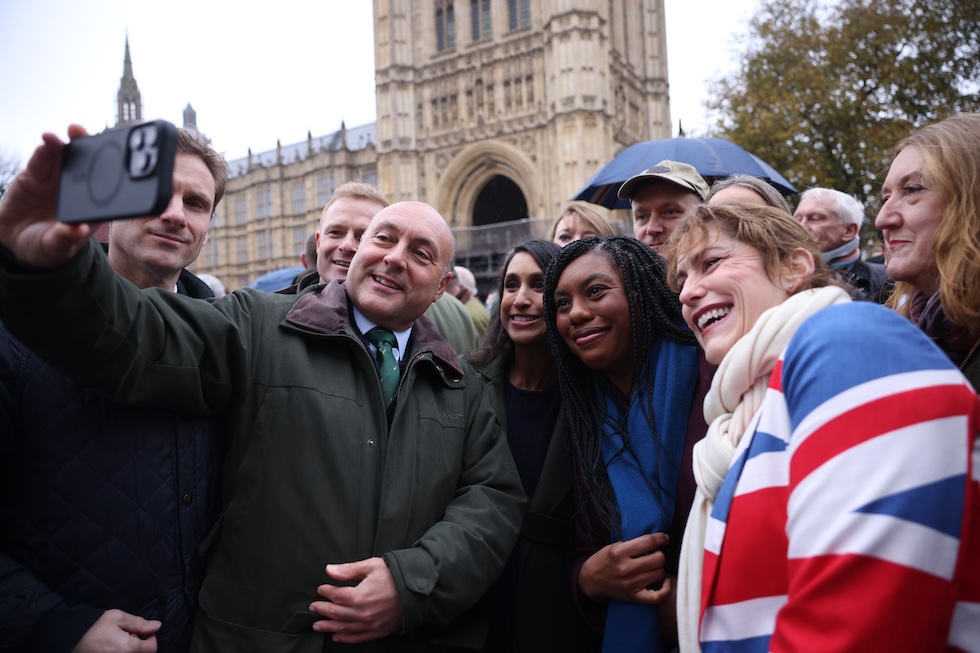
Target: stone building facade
column 273, row 202
column 493, row 111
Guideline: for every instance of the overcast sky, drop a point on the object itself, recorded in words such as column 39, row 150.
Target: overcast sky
column 256, row 75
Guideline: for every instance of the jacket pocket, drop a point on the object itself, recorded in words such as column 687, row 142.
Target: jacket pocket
column 212, row 635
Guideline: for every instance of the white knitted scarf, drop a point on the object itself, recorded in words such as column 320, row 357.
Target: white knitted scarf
column 735, row 395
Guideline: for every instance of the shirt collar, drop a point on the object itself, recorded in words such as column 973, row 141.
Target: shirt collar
column 364, row 325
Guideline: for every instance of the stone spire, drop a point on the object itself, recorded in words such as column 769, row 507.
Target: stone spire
column 190, row 117
column 129, row 104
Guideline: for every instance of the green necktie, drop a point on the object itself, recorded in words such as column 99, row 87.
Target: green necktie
column 384, row 340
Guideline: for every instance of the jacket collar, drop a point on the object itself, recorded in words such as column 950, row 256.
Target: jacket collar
column 323, row 309
column 187, row 283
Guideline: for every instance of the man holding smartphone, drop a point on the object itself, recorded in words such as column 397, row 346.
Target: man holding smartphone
column 102, row 505
column 370, row 497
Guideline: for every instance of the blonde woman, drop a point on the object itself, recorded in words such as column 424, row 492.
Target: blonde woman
column 930, row 219
column 577, row 221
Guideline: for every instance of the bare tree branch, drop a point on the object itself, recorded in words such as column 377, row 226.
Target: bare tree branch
column 9, row 167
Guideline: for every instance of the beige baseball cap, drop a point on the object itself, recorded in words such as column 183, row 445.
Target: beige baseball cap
column 680, row 174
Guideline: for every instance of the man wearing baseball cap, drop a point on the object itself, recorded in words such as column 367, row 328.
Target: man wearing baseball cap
column 659, row 196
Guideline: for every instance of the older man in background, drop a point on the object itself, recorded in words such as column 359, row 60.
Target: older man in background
column 463, row 286
column 834, row 220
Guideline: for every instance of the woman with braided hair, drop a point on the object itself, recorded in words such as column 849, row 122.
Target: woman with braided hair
column 629, row 374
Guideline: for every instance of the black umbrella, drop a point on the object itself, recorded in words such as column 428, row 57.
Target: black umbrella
column 713, row 158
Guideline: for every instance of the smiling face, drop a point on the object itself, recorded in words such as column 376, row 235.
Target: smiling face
column 343, row 223
column 593, row 317
column 724, row 288
column 400, row 267
column 152, row 251
column 657, row 209
column 522, row 302
column 909, row 218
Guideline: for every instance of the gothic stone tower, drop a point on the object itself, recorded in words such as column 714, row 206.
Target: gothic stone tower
column 495, row 110
column 129, row 105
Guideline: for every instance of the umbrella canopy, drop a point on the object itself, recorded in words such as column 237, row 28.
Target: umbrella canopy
column 712, row 157
column 277, row 279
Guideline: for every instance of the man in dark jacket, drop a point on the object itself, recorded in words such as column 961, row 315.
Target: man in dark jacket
column 102, row 505
column 834, row 220
column 359, row 513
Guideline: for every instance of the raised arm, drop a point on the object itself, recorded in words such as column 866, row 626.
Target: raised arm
column 28, row 227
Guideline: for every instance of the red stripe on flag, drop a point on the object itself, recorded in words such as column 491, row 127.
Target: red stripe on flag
column 854, row 603
column 871, row 420
column 746, row 556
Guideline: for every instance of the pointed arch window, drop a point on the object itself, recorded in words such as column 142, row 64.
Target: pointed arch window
column 445, row 25
column 519, row 14
column 480, row 19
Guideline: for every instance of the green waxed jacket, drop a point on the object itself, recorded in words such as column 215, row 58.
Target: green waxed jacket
column 314, row 475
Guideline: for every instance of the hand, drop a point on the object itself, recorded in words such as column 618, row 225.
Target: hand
column 625, row 570
column 119, row 632
column 370, row 610
column 28, row 227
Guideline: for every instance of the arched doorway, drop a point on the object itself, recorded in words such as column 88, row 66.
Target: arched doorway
column 500, row 200
column 487, row 193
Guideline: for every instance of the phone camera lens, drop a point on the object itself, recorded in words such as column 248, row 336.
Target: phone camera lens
column 140, row 162
column 136, row 139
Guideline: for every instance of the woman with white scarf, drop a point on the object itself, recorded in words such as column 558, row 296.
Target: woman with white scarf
column 837, row 436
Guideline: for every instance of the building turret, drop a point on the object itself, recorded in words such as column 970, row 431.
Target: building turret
column 129, row 104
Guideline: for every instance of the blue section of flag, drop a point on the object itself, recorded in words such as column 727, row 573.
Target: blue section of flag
column 937, row 505
column 858, row 340
column 765, row 443
column 750, row 645
column 723, row 502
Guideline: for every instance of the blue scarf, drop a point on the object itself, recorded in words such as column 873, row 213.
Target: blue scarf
column 638, row 472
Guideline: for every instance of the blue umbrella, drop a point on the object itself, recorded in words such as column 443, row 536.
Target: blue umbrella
column 277, row 279
column 714, row 158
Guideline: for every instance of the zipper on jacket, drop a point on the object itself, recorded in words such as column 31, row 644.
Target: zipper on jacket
column 402, row 377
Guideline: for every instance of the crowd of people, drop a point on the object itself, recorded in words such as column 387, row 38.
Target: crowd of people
column 728, row 431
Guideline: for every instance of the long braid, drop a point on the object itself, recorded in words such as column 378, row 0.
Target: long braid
column 655, row 312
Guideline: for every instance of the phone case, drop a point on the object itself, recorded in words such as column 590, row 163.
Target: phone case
column 124, row 172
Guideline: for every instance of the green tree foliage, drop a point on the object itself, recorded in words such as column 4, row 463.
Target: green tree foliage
column 825, row 90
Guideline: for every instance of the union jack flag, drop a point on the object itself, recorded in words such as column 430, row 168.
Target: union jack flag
column 850, row 517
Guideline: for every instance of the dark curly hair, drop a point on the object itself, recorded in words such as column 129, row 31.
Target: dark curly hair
column 654, row 313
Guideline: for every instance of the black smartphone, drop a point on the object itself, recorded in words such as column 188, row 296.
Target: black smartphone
column 124, row 172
